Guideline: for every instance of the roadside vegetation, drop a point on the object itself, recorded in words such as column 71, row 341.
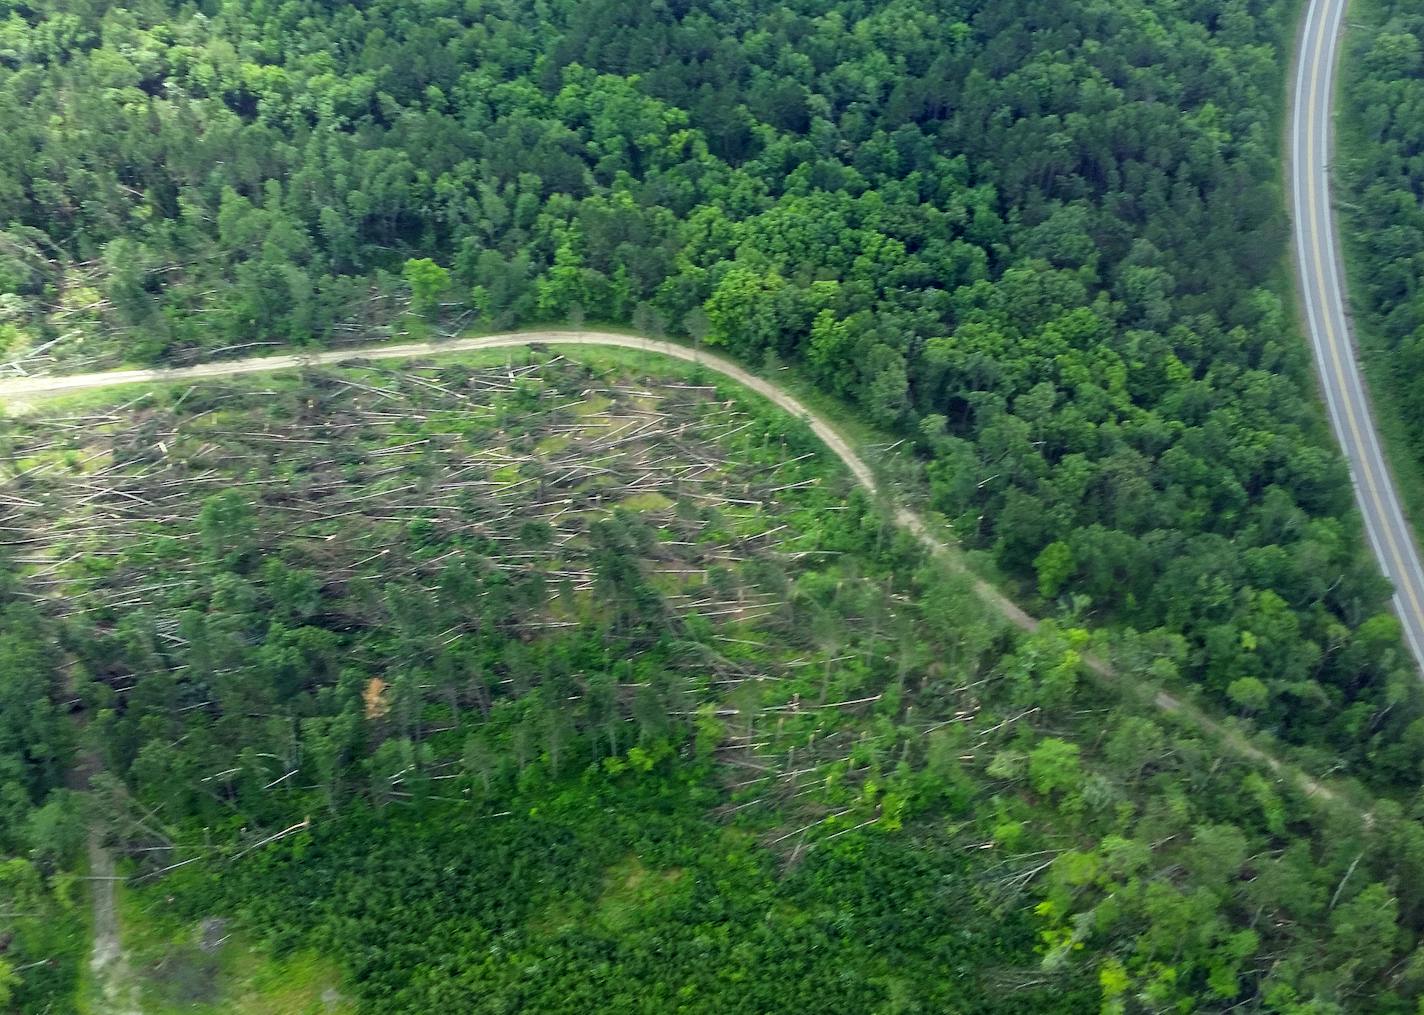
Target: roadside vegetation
column 1381, row 162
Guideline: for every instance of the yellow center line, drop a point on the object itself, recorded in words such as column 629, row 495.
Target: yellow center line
column 1313, row 170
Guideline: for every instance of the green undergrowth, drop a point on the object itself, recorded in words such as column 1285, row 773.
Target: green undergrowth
column 618, row 894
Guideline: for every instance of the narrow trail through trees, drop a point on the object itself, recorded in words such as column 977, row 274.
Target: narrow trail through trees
column 108, row 961
column 20, row 389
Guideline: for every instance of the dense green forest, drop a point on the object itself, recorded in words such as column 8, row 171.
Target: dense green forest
column 1382, row 162
column 1038, row 240
column 42, row 929
column 976, row 221
column 545, row 686
column 553, row 687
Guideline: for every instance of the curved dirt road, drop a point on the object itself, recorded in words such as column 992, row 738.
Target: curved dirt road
column 31, row 387
column 1319, row 264
column 38, row 387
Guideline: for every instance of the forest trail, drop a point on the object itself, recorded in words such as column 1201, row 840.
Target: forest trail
column 19, row 389
column 112, row 990
column 108, row 961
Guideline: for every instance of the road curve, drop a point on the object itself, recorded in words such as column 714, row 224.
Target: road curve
column 1319, row 264
column 19, row 389
column 29, row 387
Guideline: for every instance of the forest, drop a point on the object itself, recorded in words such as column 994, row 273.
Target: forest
column 617, row 663
column 616, row 660
column 975, row 222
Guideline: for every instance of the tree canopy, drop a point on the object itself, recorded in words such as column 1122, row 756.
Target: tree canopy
column 1038, row 241
column 366, row 615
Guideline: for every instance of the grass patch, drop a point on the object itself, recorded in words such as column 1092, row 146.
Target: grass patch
column 592, row 406
column 204, row 968
column 646, row 502
column 635, row 893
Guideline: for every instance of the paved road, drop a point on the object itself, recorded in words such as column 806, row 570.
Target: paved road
column 1322, row 291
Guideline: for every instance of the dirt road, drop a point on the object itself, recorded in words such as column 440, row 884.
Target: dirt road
column 25, row 388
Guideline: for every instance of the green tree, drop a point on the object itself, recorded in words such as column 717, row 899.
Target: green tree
column 1055, row 565
column 1249, row 695
column 1053, row 766
column 227, row 524
column 428, row 281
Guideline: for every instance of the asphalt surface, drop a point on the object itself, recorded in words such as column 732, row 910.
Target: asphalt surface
column 1322, row 291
